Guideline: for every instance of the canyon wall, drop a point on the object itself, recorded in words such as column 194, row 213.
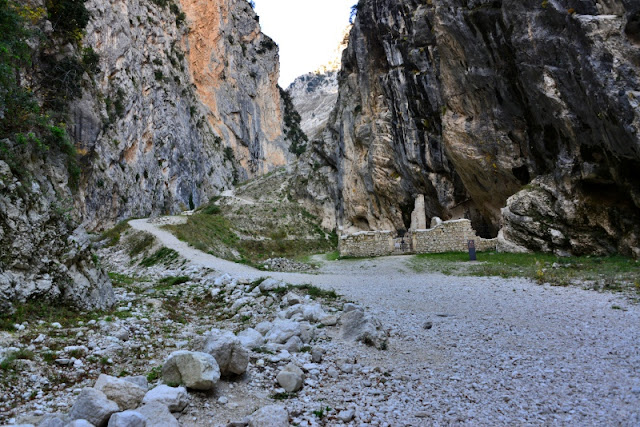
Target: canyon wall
column 120, row 109
column 199, row 106
column 519, row 115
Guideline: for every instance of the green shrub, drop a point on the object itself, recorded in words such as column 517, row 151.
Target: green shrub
column 68, row 17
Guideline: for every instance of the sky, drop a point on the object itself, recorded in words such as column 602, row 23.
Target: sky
column 307, row 31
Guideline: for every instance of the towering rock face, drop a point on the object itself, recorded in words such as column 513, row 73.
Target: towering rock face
column 184, row 105
column 474, row 103
column 166, row 104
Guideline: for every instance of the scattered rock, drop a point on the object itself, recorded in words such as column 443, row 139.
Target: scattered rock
column 174, row 398
column 270, row 416
column 291, row 378
column 358, row 326
column 251, row 338
column 157, row 415
column 126, row 394
column 196, row 370
column 94, row 406
column 346, row 415
column 271, row 284
column 128, row 419
column 231, row 355
column 282, row 330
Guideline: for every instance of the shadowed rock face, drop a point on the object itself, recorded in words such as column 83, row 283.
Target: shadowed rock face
column 468, row 102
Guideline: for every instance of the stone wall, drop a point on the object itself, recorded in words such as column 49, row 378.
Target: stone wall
column 448, row 236
column 367, row 243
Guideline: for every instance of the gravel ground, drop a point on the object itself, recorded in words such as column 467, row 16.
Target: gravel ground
column 471, row 350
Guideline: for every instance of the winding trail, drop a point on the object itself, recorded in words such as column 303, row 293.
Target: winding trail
column 501, row 351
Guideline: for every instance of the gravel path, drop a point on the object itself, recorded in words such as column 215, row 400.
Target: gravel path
column 499, row 351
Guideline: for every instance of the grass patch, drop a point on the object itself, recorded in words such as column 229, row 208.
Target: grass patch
column 284, row 396
column 113, row 236
column 121, row 280
column 154, row 374
column 139, row 243
column 315, row 292
column 208, row 233
column 163, row 255
column 47, row 311
column 614, row 273
column 333, row 256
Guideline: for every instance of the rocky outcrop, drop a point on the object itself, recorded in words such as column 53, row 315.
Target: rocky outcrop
column 471, row 103
column 43, row 255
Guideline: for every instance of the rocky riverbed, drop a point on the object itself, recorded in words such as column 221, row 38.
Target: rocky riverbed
column 398, row 348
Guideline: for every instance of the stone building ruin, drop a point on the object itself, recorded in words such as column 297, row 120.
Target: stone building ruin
column 441, row 236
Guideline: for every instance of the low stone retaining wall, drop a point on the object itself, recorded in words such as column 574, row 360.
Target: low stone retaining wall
column 448, row 236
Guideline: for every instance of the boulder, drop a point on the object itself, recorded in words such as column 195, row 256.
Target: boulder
column 291, row 298
column 293, row 345
column 358, row 326
column 290, row 378
column 94, row 406
column 80, row 423
column 53, row 420
column 250, row 338
column 271, row 284
column 157, row 415
column 270, row 416
column 174, row 398
column 313, row 312
column 282, row 330
column 231, row 355
column 139, row 380
column 125, row 393
column 128, row 419
column 196, row 370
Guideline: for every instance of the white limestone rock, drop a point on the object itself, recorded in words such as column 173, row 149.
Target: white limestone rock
column 359, row 326
column 270, row 416
column 128, row 419
column 174, row 398
column 125, row 393
column 94, row 406
column 282, row 330
column 290, row 378
column 231, row 355
column 251, row 338
column 196, row 370
column 158, row 415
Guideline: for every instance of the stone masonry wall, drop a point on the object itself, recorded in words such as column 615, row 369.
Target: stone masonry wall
column 367, row 244
column 448, row 236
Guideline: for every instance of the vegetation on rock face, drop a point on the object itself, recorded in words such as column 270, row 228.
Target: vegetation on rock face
column 39, row 123
column 294, row 132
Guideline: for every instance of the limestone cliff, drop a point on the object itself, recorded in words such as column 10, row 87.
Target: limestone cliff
column 196, row 106
column 117, row 109
column 473, row 102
